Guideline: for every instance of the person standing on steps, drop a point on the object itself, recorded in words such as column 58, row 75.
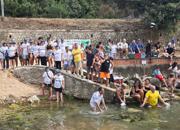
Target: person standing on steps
column 104, row 70
column 57, row 58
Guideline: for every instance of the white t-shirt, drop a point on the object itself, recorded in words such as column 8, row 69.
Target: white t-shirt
column 96, row 99
column 122, row 45
column 57, row 55
column 24, row 48
column 67, row 56
column 4, row 50
column 11, row 51
column 1, row 53
column 58, row 79
column 47, row 77
column 110, row 69
column 35, row 49
column 42, row 51
column 62, row 47
column 114, row 49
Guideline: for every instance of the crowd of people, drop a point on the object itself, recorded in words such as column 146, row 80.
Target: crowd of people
column 97, row 59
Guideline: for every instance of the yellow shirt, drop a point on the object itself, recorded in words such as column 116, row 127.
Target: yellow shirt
column 77, row 55
column 152, row 97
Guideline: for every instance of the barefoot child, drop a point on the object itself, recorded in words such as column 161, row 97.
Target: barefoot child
column 59, row 86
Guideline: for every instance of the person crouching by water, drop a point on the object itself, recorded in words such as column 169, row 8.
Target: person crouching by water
column 59, row 86
column 137, row 91
column 120, row 93
column 152, row 98
column 47, row 81
column 96, row 100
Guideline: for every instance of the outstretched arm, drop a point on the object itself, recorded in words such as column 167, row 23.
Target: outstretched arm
column 145, row 100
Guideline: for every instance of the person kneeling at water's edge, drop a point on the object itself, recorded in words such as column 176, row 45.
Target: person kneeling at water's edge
column 152, row 97
column 96, row 100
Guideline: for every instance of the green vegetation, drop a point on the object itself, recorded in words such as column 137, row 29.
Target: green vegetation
column 162, row 12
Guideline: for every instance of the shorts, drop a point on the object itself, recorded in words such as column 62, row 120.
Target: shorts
column 92, row 105
column 111, row 78
column 89, row 69
column 104, row 75
column 47, row 85
column 16, row 54
column 25, row 57
column 12, row 58
column 72, row 63
column 66, row 66
column 58, row 89
column 78, row 64
column 160, row 77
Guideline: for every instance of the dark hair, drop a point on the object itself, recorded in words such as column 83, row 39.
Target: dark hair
column 46, row 69
column 111, row 58
column 174, row 65
column 100, row 89
column 148, row 79
column 140, row 84
column 97, row 46
column 171, row 75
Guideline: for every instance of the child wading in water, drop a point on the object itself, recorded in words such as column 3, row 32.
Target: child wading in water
column 171, row 84
column 59, row 86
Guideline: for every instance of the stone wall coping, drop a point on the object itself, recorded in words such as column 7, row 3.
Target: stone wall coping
column 58, row 30
column 69, row 75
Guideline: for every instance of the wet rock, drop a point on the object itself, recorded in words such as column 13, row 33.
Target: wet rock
column 33, row 99
column 133, row 110
column 155, row 82
column 10, row 99
column 14, row 106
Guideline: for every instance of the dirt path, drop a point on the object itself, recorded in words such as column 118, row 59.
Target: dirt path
column 9, row 85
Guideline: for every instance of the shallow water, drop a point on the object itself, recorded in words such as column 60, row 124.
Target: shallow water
column 75, row 115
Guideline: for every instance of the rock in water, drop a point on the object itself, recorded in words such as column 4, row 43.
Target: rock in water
column 155, row 82
column 33, row 99
column 133, row 110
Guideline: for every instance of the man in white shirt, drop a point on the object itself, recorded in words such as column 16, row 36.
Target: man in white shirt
column 42, row 53
column 59, row 86
column 12, row 53
column 96, row 99
column 123, row 48
column 25, row 51
column 113, row 50
column 5, row 56
column 57, row 57
column 47, row 81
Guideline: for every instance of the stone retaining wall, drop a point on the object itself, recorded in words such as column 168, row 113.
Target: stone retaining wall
column 74, row 86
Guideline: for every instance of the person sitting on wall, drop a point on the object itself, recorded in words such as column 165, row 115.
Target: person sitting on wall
column 152, row 98
column 133, row 47
column 96, row 100
column 169, row 52
column 123, row 48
